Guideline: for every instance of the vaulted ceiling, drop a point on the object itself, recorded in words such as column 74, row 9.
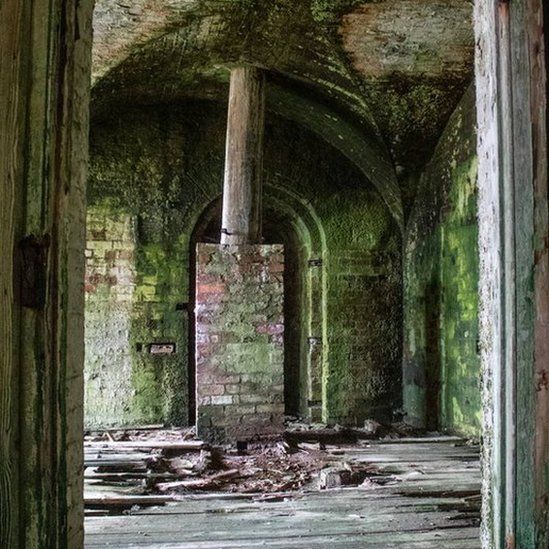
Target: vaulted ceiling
column 377, row 79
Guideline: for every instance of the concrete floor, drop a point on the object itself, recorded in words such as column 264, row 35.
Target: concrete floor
column 427, row 496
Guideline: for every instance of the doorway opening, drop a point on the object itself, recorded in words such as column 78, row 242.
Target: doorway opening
column 350, row 269
column 364, row 127
column 278, row 228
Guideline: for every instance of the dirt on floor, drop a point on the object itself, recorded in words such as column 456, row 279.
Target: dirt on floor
column 157, row 463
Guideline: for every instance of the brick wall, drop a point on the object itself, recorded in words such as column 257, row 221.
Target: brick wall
column 180, row 156
column 133, row 292
column 239, row 341
column 363, row 336
column 110, row 289
column 441, row 370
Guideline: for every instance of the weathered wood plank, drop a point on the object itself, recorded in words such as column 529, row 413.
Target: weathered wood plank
column 538, row 54
column 12, row 60
column 263, row 526
column 349, row 542
column 420, row 510
column 337, row 536
column 189, row 445
column 45, row 64
column 513, row 222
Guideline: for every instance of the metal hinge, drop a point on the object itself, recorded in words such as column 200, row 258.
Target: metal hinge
column 34, row 263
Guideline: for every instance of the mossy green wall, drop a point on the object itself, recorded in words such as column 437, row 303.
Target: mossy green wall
column 110, row 283
column 363, row 309
column 441, row 380
column 132, row 295
column 164, row 166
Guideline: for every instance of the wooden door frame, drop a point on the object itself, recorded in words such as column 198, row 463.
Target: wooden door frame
column 45, row 67
column 45, row 61
column 514, row 270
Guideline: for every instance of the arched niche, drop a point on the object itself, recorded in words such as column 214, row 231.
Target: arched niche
column 290, row 221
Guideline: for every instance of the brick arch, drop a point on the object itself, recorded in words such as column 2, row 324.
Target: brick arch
column 293, row 222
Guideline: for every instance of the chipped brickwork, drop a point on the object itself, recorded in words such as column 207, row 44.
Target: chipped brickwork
column 130, row 305
column 239, row 341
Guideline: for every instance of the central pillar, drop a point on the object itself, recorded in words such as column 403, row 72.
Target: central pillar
column 239, row 291
column 242, row 187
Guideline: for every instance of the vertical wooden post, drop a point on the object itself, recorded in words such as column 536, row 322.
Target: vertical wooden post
column 242, row 188
column 45, row 63
column 12, row 30
column 514, row 301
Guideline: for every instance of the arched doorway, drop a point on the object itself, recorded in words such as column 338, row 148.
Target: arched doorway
column 286, row 221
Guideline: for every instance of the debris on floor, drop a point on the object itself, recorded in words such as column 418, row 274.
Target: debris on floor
column 419, row 491
column 133, row 468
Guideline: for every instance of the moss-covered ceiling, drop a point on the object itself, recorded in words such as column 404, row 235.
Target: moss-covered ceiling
column 389, row 71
